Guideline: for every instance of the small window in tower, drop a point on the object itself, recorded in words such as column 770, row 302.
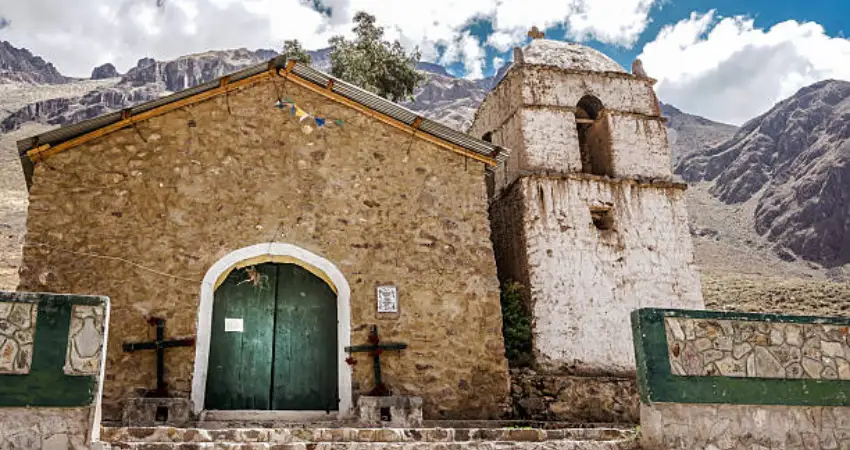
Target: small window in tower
column 603, row 218
column 488, row 137
column 594, row 138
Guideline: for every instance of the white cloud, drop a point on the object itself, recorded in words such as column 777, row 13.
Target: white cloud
column 77, row 35
column 468, row 50
column 726, row 69
column 498, row 63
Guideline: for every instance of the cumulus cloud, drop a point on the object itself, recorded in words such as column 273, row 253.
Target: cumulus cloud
column 79, row 35
column 728, row 70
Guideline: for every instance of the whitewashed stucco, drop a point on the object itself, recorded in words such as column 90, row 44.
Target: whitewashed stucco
column 584, row 282
column 568, row 55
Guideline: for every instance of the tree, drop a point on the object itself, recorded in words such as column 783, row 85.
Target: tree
column 374, row 64
column 292, row 49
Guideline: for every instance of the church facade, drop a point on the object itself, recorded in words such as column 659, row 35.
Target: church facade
column 276, row 218
column 277, row 222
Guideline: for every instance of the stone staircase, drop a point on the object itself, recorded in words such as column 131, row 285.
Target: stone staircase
column 350, row 438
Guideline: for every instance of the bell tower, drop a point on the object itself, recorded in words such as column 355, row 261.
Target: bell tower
column 585, row 213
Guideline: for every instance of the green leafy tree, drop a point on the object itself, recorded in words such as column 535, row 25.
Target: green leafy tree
column 292, row 49
column 374, row 64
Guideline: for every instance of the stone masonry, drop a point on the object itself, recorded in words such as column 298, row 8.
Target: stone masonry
column 678, row 426
column 734, row 348
column 176, row 193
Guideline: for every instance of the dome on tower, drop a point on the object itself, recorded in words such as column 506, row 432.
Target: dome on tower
column 568, row 55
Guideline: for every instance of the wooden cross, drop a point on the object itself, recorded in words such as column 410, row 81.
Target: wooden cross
column 536, row 33
column 376, row 348
column 160, row 344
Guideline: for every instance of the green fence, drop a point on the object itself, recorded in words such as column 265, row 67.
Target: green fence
column 757, row 359
column 51, row 349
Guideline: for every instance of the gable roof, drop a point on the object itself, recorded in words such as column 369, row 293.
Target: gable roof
column 42, row 146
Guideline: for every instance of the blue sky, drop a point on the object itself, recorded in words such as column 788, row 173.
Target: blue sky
column 723, row 59
column 832, row 15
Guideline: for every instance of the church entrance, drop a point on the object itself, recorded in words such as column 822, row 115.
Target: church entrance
column 273, row 343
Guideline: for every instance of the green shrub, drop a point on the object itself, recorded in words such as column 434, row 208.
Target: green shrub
column 516, row 326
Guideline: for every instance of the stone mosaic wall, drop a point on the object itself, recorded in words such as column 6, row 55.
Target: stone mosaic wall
column 86, row 341
column 733, row 348
column 17, row 330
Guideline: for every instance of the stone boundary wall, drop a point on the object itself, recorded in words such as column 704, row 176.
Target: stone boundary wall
column 52, row 352
column 573, row 399
column 742, row 381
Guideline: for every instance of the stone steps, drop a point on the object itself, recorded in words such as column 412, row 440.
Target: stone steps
column 168, row 438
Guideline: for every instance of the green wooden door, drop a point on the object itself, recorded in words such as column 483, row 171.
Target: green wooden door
column 305, row 369
column 283, row 356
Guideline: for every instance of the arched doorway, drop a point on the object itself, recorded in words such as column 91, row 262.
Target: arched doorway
column 273, row 341
column 273, row 324
column 594, row 138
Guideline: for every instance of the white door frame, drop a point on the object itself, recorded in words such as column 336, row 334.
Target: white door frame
column 258, row 254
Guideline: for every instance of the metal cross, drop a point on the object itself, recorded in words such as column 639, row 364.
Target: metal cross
column 160, row 344
column 376, row 348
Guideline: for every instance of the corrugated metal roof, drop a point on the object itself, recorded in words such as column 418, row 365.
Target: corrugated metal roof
column 303, row 71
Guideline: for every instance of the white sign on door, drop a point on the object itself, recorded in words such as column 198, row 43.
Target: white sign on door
column 233, row 325
column 387, row 299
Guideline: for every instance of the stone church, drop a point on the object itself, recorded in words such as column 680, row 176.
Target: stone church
column 266, row 226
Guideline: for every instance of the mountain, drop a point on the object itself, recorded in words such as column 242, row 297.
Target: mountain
column 443, row 97
column 688, row 133
column 793, row 162
column 22, row 66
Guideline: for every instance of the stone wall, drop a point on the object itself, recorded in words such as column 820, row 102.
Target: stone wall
column 743, row 427
column 141, row 215
column 573, row 399
column 51, row 363
column 742, row 381
column 584, row 282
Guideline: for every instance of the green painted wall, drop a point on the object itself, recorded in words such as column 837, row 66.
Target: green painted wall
column 658, row 384
column 46, row 385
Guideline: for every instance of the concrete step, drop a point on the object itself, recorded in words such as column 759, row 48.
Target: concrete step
column 168, row 438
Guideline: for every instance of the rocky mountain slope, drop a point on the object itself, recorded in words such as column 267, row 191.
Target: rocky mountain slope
column 793, row 164
column 18, row 64
column 688, row 133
